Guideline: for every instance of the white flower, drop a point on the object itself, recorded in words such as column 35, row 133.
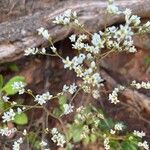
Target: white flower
column 113, row 97
column 16, row 145
column 65, row 88
column 139, row 134
column 68, row 17
column 6, row 131
column 5, row 98
column 43, row 32
column 97, row 41
column 106, row 144
column 43, row 51
column 144, row 145
column 68, row 108
column 112, row 131
column 145, row 85
column 53, row 49
column 13, row 103
column 24, row 132
column 31, row 51
column 19, row 86
column 72, row 89
column 112, row 9
column 19, row 110
column 68, row 63
column 72, row 38
column 9, row 115
column 95, row 94
column 42, row 99
column 57, row 137
column 119, row 126
column 43, row 143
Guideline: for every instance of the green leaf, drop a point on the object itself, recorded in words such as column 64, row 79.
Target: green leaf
column 33, row 140
column 62, row 99
column 93, row 138
column 13, row 67
column 76, row 132
column 8, row 87
column 21, row 119
column 3, row 105
column 1, row 81
column 128, row 146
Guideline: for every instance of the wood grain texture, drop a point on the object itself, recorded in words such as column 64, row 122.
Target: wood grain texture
column 20, row 33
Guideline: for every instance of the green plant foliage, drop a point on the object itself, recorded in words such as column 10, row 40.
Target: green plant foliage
column 21, row 119
column 33, row 140
column 1, row 81
column 62, row 99
column 8, row 86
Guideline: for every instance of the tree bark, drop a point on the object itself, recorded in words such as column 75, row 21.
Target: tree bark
column 18, row 34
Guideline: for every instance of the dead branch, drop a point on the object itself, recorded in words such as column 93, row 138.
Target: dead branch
column 16, row 35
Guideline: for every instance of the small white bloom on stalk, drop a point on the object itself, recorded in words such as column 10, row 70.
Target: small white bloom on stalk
column 68, row 17
column 7, row 132
column 144, row 145
column 72, row 38
column 97, row 40
column 19, row 86
column 44, row 33
column 119, row 127
column 68, row 63
column 24, row 132
column 43, row 143
column 31, row 51
column 9, row 115
column 95, row 94
column 145, row 85
column 42, row 99
column 53, row 49
column 112, row 9
column 106, row 144
column 71, row 89
column 68, row 108
column 16, row 145
column 139, row 134
column 19, row 110
column 5, row 98
column 57, row 137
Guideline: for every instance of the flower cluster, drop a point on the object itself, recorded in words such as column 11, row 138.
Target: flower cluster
column 5, row 98
column 57, row 137
column 113, row 9
column 145, row 28
column 44, row 33
column 16, row 145
column 6, row 131
column 145, row 85
column 68, row 108
column 117, row 127
column 19, row 86
column 68, row 17
column 42, row 99
column 71, row 89
column 31, row 51
column 34, row 51
column 139, row 134
column 106, row 143
column 8, row 115
column 113, row 97
column 144, row 145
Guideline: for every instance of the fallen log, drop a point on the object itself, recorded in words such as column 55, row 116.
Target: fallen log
column 19, row 34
